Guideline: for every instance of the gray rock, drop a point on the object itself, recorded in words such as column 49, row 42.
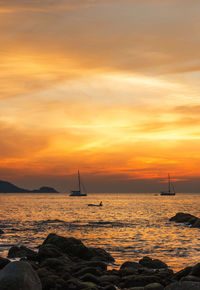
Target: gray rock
column 19, row 275
column 185, row 285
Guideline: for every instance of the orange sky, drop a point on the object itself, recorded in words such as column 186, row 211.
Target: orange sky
column 107, row 86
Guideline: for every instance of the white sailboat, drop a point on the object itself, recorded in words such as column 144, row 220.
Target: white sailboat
column 171, row 190
column 81, row 189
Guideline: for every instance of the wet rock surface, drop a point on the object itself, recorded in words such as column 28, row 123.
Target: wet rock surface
column 66, row 263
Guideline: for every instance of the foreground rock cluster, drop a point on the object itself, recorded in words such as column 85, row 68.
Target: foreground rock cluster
column 66, row 263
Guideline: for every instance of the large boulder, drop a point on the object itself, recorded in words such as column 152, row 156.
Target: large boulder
column 74, row 248
column 19, row 275
column 152, row 263
column 70, row 246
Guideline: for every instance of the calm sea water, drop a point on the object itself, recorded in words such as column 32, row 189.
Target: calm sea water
column 129, row 226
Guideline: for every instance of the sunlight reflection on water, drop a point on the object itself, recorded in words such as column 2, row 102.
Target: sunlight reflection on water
column 129, row 226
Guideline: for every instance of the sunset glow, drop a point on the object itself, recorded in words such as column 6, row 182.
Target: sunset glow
column 107, row 87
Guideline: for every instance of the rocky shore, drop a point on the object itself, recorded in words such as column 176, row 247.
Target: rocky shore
column 66, row 263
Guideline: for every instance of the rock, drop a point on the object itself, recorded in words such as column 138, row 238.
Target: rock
column 70, row 246
column 43, row 272
column 196, row 224
column 89, row 278
column 75, row 284
column 66, row 276
column 1, row 232
column 185, row 285
column 110, row 287
column 59, row 265
column 48, row 251
column 190, row 278
column 196, row 270
column 102, row 266
column 19, row 252
column 48, row 282
column 19, row 275
column 3, row 262
column 75, row 248
column 139, row 280
column 100, row 254
column 129, row 264
column 182, row 273
column 90, row 286
column 136, row 288
column 154, row 286
column 152, row 264
column 112, row 279
column 181, row 217
column 95, row 271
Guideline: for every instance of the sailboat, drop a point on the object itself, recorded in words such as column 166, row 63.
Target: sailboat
column 81, row 189
column 171, row 190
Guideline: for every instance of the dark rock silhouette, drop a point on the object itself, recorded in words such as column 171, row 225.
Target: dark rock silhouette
column 187, row 218
column 7, row 187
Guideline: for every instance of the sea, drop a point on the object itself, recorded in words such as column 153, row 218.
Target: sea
column 128, row 226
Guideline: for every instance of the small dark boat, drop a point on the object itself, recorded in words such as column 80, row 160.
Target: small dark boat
column 100, row 204
column 170, row 191
column 81, row 189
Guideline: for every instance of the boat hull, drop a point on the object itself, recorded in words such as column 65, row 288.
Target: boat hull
column 167, row 193
column 77, row 193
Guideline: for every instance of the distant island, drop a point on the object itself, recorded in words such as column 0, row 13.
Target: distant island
column 7, row 187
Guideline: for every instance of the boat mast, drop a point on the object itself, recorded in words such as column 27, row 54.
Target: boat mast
column 79, row 181
column 169, row 181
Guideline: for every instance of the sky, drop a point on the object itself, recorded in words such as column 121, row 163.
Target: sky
column 109, row 87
